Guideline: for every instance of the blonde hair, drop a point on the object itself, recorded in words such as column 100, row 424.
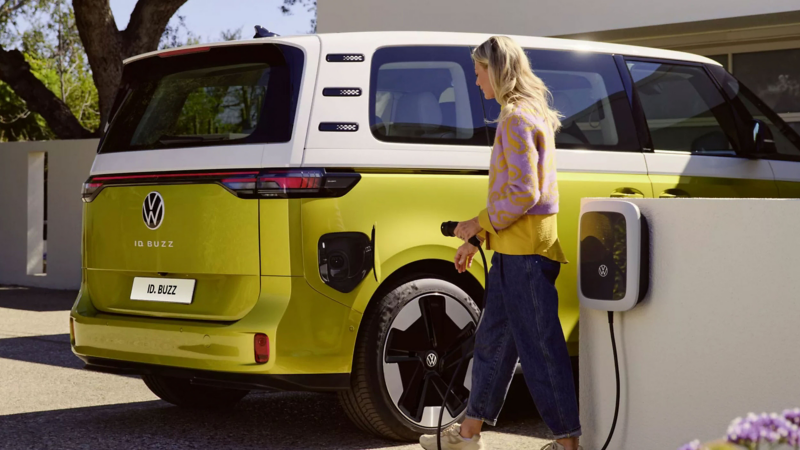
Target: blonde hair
column 513, row 81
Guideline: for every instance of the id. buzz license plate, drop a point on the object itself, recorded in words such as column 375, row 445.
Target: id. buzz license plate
column 169, row 290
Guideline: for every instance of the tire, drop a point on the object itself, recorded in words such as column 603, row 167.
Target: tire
column 180, row 392
column 395, row 382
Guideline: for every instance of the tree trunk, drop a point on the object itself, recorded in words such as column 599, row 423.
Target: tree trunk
column 107, row 47
column 15, row 71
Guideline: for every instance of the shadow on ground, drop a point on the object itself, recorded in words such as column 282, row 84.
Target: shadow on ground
column 284, row 420
column 261, row 420
column 52, row 350
column 33, row 299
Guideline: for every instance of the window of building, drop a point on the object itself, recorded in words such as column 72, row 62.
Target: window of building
column 750, row 106
column 772, row 75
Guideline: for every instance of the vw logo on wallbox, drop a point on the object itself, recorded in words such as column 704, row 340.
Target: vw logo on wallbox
column 153, row 210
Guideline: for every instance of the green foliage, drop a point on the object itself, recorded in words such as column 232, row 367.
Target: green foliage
column 53, row 49
column 222, row 106
column 176, row 34
column 56, row 55
column 220, row 110
column 16, row 122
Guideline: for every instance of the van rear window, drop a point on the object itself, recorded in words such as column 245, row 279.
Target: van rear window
column 226, row 95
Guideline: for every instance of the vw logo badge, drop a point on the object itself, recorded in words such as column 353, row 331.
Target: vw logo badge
column 153, row 210
column 603, row 270
column 431, row 359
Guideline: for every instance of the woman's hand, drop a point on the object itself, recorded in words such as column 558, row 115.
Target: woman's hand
column 464, row 257
column 465, row 230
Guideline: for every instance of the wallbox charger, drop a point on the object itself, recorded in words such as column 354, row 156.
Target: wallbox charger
column 613, row 257
column 613, row 264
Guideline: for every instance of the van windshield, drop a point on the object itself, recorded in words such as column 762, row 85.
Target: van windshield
column 216, row 96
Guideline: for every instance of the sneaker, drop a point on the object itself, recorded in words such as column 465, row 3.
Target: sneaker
column 556, row 446
column 451, row 440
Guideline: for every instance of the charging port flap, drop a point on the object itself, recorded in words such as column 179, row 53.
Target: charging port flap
column 376, row 267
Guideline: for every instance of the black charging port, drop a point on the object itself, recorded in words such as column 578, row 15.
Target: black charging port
column 345, row 259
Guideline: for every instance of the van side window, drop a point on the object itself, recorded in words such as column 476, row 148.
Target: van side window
column 684, row 109
column 425, row 95
column 589, row 94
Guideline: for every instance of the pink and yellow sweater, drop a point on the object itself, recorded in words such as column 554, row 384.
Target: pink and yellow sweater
column 520, row 217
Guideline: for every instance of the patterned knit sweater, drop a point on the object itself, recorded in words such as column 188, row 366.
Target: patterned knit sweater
column 520, row 217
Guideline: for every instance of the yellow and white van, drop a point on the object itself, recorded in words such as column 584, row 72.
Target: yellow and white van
column 264, row 214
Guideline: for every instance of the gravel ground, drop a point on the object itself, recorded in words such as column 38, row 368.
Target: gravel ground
column 48, row 401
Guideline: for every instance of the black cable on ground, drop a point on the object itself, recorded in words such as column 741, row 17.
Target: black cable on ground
column 616, row 369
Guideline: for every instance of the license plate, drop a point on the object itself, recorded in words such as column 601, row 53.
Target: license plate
column 168, row 290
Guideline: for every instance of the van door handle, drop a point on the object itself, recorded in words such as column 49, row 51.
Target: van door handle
column 627, row 193
column 674, row 193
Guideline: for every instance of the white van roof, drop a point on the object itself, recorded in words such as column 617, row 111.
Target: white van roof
column 394, row 38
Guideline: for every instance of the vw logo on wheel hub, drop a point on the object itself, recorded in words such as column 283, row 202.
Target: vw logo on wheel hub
column 431, row 360
column 153, row 210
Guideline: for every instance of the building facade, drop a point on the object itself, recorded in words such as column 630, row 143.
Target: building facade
column 759, row 42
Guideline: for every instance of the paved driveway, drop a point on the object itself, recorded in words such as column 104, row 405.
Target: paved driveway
column 48, row 401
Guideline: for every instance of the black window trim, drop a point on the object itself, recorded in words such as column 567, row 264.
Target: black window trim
column 639, row 119
column 740, row 152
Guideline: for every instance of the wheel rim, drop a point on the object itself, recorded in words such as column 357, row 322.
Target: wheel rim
column 421, row 354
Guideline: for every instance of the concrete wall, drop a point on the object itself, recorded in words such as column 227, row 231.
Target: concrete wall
column 21, row 211
column 717, row 335
column 525, row 17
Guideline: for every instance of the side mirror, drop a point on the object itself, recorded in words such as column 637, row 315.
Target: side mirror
column 763, row 142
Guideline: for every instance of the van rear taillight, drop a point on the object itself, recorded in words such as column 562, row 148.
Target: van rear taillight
column 183, row 51
column 279, row 183
column 290, row 183
column 89, row 191
column 261, row 348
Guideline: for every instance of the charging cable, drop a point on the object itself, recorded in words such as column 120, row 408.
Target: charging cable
column 616, row 369
column 448, row 229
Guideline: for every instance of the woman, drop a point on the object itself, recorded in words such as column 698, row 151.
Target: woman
column 520, row 319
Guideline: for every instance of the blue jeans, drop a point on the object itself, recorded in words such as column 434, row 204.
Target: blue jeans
column 520, row 321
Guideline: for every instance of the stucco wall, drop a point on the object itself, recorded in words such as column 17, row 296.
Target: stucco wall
column 715, row 338
column 525, row 17
column 69, row 163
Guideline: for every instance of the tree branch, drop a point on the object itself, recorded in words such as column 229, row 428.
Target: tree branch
column 22, row 115
column 103, row 44
column 9, row 6
column 148, row 21
column 15, row 71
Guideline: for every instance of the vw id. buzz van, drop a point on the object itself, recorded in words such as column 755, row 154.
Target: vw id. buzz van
column 265, row 214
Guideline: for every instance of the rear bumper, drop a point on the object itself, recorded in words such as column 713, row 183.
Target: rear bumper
column 309, row 335
column 307, row 382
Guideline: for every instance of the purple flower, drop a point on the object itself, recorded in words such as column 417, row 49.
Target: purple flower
column 694, row 445
column 770, row 428
column 792, row 415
